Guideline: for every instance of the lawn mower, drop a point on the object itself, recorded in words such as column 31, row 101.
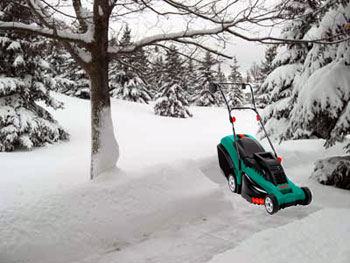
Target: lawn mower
column 253, row 172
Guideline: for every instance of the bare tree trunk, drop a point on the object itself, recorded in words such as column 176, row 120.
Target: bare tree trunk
column 104, row 148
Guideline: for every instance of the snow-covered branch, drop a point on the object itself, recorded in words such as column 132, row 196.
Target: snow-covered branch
column 170, row 36
column 47, row 32
column 277, row 40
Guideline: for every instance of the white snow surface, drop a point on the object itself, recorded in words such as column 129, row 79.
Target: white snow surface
column 321, row 237
column 166, row 201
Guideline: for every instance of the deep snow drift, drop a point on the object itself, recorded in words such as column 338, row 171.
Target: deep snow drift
column 166, row 202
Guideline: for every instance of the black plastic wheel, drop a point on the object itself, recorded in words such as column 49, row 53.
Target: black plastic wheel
column 308, row 196
column 232, row 182
column 271, row 204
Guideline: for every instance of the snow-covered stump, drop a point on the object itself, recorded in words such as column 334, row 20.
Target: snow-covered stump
column 333, row 171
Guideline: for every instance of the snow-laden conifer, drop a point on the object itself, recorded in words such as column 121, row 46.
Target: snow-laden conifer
column 322, row 104
column 23, row 83
column 171, row 100
column 71, row 79
column 128, row 86
column 125, row 79
column 262, row 96
column 235, row 96
column 202, row 95
column 278, row 87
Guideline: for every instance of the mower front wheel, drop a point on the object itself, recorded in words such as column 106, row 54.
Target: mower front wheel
column 271, row 204
column 232, row 183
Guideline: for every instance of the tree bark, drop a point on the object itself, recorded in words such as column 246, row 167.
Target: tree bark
column 104, row 147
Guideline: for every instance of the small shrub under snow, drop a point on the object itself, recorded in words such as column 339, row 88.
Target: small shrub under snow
column 333, row 171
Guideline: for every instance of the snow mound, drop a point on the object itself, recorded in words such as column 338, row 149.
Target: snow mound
column 312, row 239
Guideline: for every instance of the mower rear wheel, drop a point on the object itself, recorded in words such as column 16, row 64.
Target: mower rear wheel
column 232, row 183
column 308, row 196
column 271, row 204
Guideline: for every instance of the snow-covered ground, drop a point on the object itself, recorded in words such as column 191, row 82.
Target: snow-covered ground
column 166, row 202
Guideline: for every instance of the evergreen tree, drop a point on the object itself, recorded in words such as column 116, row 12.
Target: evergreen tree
column 71, row 79
column 24, row 82
column 235, row 74
column 267, row 66
column 278, row 86
column 321, row 105
column 125, row 81
column 190, row 78
column 202, row 96
column 220, row 76
column 235, row 96
column 171, row 100
column 156, row 76
column 255, row 73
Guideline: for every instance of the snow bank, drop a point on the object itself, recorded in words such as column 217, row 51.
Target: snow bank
column 321, row 237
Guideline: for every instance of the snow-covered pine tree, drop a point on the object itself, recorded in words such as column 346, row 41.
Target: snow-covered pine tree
column 279, row 84
column 171, row 100
column 235, row 96
column 190, row 78
column 235, row 75
column 255, row 73
column 71, row 79
column 24, row 82
column 202, row 96
column 267, row 65
column 219, row 76
column 125, row 74
column 156, row 76
column 262, row 97
column 322, row 95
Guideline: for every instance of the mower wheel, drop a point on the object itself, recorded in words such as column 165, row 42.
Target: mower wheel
column 271, row 204
column 308, row 196
column 232, row 183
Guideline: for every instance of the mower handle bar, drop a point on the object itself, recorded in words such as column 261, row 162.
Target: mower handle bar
column 213, row 88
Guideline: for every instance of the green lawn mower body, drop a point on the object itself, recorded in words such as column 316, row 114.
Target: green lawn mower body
column 253, row 172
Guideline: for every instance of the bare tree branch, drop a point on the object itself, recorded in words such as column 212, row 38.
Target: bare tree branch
column 193, row 43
